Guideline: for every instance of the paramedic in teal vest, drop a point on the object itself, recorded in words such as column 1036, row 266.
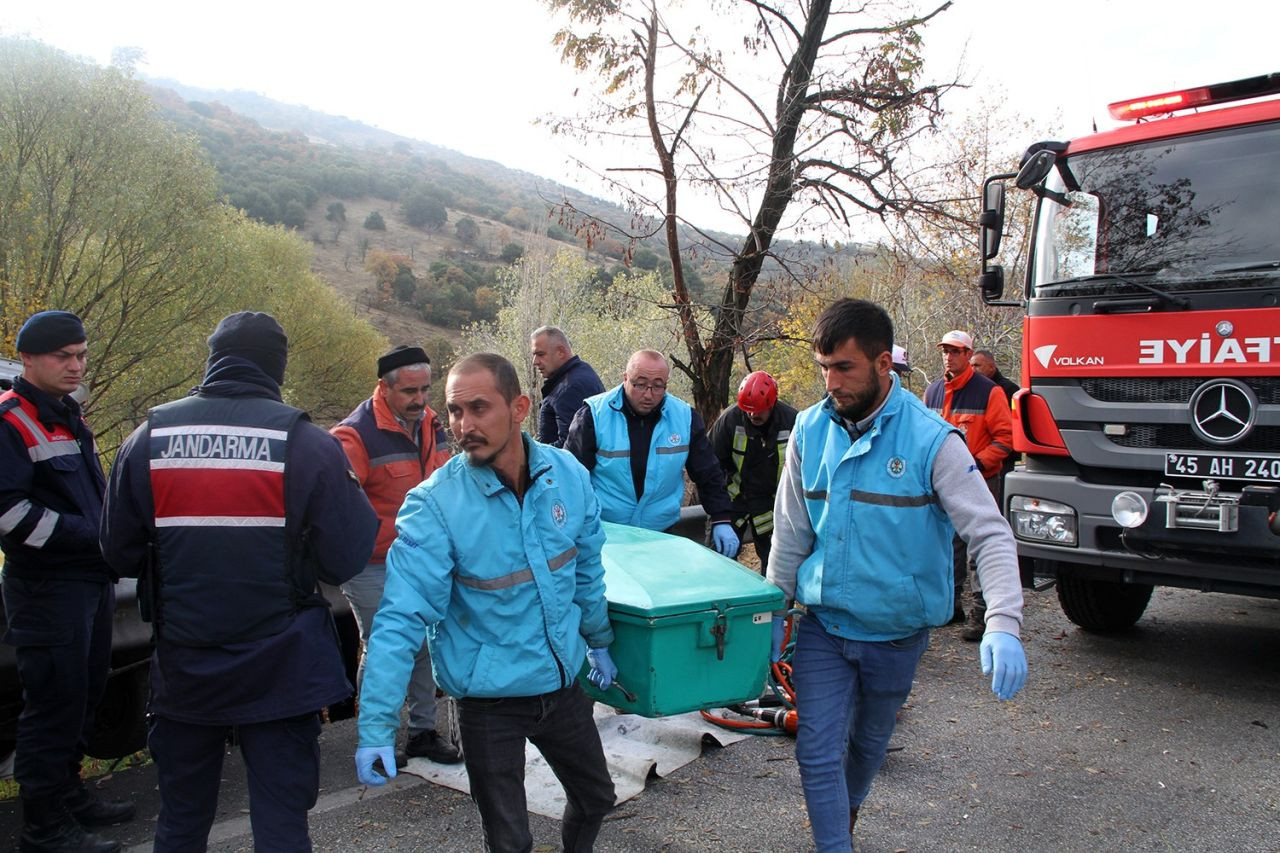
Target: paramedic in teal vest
column 229, row 506
column 497, row 563
column 872, row 488
column 637, row 442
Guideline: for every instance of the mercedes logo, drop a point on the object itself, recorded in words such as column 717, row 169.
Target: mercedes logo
column 1224, row 328
column 1223, row 411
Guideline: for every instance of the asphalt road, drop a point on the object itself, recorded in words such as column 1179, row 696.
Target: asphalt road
column 1167, row 738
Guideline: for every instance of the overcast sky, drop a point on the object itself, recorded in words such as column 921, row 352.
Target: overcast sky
column 474, row 76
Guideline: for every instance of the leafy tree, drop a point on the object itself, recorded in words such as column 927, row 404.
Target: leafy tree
column 256, row 204
column 385, row 267
column 605, row 328
column 403, row 285
column 337, row 212
column 294, row 215
column 511, row 253
column 467, row 230
column 375, row 222
column 105, row 210
column 423, row 210
column 829, row 132
column 645, row 259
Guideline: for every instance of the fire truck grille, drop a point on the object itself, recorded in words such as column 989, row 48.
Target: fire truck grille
column 1265, row 439
column 1133, row 389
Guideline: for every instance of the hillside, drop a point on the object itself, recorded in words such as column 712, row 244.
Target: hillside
column 297, row 167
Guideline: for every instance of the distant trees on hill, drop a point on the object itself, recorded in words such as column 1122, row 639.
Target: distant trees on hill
column 424, row 209
column 375, row 222
column 107, row 211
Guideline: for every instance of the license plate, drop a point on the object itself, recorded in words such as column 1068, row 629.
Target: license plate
column 1229, row 466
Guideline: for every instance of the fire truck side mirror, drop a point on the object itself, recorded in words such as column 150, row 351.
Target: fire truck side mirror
column 991, row 284
column 991, row 220
column 1036, row 169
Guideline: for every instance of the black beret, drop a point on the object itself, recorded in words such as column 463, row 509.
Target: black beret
column 49, row 330
column 254, row 336
column 401, row 356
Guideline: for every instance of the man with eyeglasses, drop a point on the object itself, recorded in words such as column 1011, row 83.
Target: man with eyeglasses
column 637, row 441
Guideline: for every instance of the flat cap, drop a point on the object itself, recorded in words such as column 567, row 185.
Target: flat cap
column 401, row 356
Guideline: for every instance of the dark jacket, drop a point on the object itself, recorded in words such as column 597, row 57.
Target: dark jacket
column 1007, row 385
column 562, row 396
column 701, row 466
column 51, row 486
column 331, row 529
column 752, row 464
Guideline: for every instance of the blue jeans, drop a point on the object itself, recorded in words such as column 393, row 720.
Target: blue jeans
column 561, row 726
column 848, row 693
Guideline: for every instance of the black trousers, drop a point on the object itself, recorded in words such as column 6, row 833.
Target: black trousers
column 61, row 630
column 561, row 726
column 281, row 760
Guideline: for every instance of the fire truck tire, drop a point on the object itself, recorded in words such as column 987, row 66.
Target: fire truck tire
column 120, row 725
column 1099, row 606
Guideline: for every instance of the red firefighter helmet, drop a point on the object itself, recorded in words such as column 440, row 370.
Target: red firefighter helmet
column 758, row 393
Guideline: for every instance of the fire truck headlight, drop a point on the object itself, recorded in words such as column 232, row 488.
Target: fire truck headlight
column 1129, row 509
column 1042, row 521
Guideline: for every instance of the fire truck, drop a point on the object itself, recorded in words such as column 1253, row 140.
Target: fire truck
column 1149, row 415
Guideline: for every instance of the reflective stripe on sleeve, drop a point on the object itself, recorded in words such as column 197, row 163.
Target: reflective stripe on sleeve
column 44, row 529
column 14, row 516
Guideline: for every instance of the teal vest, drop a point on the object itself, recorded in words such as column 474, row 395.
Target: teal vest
column 881, row 566
column 664, row 475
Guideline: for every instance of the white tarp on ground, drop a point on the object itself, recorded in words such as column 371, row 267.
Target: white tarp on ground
column 633, row 746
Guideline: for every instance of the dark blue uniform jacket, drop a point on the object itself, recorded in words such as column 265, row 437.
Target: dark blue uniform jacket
column 298, row 670
column 562, row 396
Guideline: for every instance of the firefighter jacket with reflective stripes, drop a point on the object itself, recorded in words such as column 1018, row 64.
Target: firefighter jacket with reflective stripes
column 979, row 409
column 387, row 461
column 659, row 507
column 217, row 481
column 752, row 458
column 508, row 592
column 51, row 487
column 881, row 563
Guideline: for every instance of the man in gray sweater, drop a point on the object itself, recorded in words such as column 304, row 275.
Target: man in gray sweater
column 873, row 486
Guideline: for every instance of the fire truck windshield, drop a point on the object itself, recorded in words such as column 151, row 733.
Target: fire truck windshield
column 1182, row 214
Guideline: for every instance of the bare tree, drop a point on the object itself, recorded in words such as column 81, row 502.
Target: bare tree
column 818, row 138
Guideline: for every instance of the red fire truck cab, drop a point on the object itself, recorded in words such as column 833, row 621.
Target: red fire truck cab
column 1149, row 413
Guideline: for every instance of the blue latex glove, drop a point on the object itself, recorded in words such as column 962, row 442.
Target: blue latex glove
column 365, row 756
column 779, row 631
column 725, row 540
column 603, row 671
column 1002, row 653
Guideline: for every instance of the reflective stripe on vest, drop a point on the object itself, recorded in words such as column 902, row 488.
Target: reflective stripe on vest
column 659, row 507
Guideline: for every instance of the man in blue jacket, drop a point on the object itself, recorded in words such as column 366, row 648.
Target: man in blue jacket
column 497, row 562
column 58, row 592
column 568, row 381
column 637, row 442
column 229, row 506
column 873, row 486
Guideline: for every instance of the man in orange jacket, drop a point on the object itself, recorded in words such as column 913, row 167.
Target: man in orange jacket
column 394, row 441
column 978, row 407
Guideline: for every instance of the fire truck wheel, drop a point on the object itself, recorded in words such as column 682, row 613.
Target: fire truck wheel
column 1099, row 606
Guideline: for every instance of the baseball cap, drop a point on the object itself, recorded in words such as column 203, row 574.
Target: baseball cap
column 956, row 338
column 901, row 361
